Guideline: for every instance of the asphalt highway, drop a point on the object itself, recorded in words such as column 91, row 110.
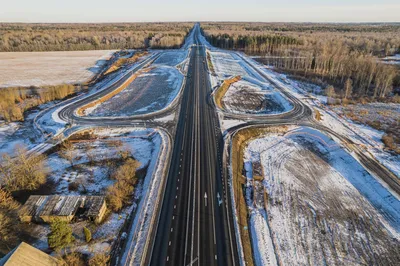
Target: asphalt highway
column 194, row 226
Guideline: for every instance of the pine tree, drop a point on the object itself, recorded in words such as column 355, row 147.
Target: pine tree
column 60, row 235
column 88, row 234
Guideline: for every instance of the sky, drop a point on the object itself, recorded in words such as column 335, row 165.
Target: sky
column 200, row 10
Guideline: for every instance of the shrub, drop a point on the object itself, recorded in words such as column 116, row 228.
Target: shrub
column 120, row 194
column 8, row 221
column 7, row 233
column 23, row 171
column 60, row 235
column 7, row 202
column 73, row 186
column 88, row 234
column 318, row 116
column 73, row 259
column 389, row 142
column 99, row 259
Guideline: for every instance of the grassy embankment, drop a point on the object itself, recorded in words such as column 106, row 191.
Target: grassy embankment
column 219, row 94
column 239, row 142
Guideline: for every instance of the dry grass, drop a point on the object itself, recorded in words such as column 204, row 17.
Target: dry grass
column 210, row 64
column 221, row 91
column 123, row 61
column 239, row 143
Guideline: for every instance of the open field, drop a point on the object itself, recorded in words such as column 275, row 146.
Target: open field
column 311, row 203
column 172, row 58
column 149, row 92
column 381, row 116
column 50, row 68
column 248, row 96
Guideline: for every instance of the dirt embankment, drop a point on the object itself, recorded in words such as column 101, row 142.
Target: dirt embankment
column 123, row 61
column 219, row 94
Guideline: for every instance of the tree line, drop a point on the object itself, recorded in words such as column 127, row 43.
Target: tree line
column 15, row 101
column 18, row 37
column 343, row 55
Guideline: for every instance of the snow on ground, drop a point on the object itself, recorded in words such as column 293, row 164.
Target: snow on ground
column 50, row 68
column 322, row 206
column 228, row 123
column 150, row 92
column 363, row 135
column 93, row 178
column 172, row 58
column 21, row 134
column 139, row 235
column 225, row 65
column 250, row 96
column 253, row 94
column 332, row 117
column 394, row 60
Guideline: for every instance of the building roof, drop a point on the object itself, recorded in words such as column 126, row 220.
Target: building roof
column 59, row 205
column 26, row 255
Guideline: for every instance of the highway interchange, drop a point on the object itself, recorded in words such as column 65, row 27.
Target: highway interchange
column 195, row 225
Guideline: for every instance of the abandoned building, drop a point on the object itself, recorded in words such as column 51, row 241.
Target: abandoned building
column 46, row 208
column 26, row 255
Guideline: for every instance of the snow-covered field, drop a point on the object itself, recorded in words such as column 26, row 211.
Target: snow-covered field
column 172, row 58
column 90, row 175
column 250, row 96
column 363, row 135
column 50, row 68
column 322, row 207
column 332, row 117
column 225, row 65
column 21, row 134
column 93, row 177
column 150, row 92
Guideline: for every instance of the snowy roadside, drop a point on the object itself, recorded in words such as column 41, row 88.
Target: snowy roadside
column 364, row 136
column 311, row 181
column 138, row 239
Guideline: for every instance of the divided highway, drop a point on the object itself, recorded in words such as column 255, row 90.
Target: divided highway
column 194, row 226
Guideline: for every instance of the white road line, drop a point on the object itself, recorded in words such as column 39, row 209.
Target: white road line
column 190, row 199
